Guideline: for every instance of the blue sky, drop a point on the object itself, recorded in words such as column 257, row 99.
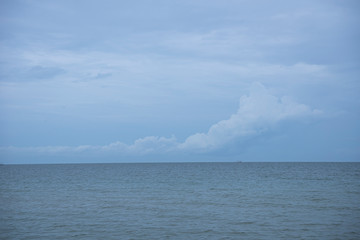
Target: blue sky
column 128, row 81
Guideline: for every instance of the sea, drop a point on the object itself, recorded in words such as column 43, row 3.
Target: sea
column 180, row 201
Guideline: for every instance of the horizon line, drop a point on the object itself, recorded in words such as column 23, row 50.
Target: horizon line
column 238, row 162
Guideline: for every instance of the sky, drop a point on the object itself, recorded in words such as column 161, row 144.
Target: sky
column 179, row 81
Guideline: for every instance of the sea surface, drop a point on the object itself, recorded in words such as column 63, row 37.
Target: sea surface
column 180, row 201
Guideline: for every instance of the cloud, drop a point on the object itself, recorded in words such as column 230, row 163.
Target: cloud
column 141, row 146
column 258, row 112
column 40, row 72
column 153, row 144
column 242, row 42
column 102, row 75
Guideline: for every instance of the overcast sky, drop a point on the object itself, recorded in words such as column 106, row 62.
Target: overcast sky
column 125, row 81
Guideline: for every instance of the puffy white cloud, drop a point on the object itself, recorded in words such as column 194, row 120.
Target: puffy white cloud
column 153, row 144
column 257, row 112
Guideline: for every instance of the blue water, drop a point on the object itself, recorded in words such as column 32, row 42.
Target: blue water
column 181, row 201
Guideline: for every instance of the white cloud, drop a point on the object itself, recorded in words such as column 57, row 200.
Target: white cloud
column 258, row 112
column 243, row 42
column 153, row 144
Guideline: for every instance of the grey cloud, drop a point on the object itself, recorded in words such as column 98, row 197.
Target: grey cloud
column 40, row 72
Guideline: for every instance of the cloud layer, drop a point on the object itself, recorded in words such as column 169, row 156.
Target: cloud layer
column 258, row 112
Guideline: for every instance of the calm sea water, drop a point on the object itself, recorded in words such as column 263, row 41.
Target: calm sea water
column 181, row 201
